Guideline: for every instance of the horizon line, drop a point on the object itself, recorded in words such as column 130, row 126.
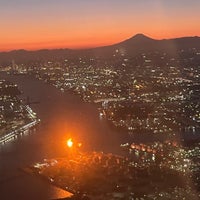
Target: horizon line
column 92, row 47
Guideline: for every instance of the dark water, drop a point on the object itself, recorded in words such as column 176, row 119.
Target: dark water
column 62, row 116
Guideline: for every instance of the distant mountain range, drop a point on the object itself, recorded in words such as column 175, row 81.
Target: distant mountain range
column 132, row 46
column 141, row 43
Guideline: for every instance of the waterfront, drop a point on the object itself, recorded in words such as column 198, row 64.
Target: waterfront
column 62, row 115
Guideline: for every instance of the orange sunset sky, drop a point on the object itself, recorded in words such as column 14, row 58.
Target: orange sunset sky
column 36, row 24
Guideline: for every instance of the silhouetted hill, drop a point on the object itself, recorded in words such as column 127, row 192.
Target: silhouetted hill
column 138, row 40
column 132, row 46
column 141, row 43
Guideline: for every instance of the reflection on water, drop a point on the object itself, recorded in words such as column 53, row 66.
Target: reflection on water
column 26, row 187
column 57, row 193
column 62, row 116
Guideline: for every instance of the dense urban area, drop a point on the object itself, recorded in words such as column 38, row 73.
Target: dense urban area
column 149, row 94
column 16, row 117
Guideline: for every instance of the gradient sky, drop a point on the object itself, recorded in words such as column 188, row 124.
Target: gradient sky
column 35, row 24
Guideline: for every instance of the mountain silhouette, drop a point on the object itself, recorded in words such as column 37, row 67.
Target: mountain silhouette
column 139, row 43
column 138, row 38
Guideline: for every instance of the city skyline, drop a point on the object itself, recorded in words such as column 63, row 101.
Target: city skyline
column 76, row 24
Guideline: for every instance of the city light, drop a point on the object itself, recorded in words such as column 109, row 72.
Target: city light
column 79, row 144
column 69, row 143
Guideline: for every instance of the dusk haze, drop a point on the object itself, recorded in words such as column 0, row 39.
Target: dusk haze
column 100, row 100
column 36, row 24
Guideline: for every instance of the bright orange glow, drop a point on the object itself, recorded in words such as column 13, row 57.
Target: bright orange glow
column 79, row 144
column 85, row 24
column 70, row 143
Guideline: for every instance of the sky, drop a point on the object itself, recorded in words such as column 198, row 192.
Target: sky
column 37, row 24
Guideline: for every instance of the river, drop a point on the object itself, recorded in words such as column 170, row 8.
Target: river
column 62, row 115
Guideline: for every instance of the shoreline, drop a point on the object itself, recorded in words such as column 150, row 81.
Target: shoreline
column 7, row 137
column 29, row 170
